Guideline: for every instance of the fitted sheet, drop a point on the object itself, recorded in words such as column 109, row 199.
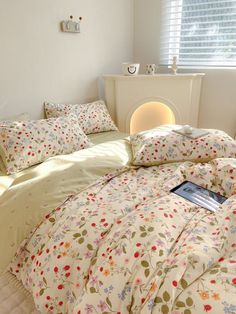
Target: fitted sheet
column 28, row 196
column 102, row 137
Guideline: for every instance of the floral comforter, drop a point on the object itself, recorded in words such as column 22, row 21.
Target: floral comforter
column 128, row 245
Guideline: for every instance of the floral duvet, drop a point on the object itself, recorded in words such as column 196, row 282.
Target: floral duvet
column 128, row 245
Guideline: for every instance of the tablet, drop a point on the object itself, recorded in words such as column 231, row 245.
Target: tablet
column 199, row 195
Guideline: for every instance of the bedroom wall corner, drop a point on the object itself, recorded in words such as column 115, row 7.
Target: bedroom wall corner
column 38, row 62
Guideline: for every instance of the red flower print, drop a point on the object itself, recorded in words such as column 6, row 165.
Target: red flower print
column 32, row 257
column 78, row 268
column 207, row 307
column 234, row 281
column 67, row 275
column 174, row 283
column 138, row 244
column 67, row 267
column 154, row 248
column 60, row 303
column 60, row 287
column 48, row 297
column 136, row 254
column 55, row 269
column 213, row 281
column 221, row 259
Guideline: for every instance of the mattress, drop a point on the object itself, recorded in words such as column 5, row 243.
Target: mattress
column 14, row 298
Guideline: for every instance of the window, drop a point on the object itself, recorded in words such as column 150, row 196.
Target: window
column 199, row 32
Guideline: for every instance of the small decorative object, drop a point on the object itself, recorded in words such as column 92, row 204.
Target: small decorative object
column 151, row 69
column 191, row 132
column 187, row 129
column 130, row 68
column 174, row 66
column 70, row 26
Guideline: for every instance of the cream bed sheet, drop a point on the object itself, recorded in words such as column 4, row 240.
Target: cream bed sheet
column 98, row 138
column 27, row 196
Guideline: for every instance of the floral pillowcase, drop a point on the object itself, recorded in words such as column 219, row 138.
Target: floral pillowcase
column 160, row 146
column 93, row 117
column 26, row 143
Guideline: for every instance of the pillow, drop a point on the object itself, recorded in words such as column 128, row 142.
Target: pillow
column 19, row 117
column 26, row 143
column 161, row 145
column 93, row 117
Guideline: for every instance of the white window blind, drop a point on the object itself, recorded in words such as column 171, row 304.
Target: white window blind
column 199, row 32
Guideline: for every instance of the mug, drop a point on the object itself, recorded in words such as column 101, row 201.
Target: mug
column 130, row 68
column 151, row 69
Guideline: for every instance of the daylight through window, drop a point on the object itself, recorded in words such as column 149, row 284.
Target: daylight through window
column 199, row 32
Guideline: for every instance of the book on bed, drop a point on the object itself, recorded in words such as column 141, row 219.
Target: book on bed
column 199, row 195
column 190, row 132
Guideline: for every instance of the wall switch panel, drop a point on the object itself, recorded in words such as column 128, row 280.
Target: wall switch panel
column 70, row 26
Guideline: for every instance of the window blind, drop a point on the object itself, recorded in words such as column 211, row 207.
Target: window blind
column 198, row 32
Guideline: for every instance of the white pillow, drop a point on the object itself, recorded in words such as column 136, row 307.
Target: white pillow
column 93, row 117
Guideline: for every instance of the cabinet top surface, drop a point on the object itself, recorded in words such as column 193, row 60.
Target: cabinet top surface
column 155, row 76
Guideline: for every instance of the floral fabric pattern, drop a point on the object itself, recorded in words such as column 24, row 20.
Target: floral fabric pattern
column 26, row 143
column 128, row 245
column 93, row 117
column 158, row 146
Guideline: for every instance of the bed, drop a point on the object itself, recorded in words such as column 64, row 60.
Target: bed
column 118, row 241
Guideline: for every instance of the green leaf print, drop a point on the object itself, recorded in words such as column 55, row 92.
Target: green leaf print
column 183, row 283
column 81, row 240
column 157, row 300
column 180, row 304
column 166, row 296
column 147, row 272
column 189, row 301
column 92, row 290
column 145, row 264
column 84, row 232
column 90, row 247
column 41, row 292
column 165, row 309
column 76, row 235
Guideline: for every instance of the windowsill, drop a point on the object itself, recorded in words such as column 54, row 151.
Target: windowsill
column 200, row 68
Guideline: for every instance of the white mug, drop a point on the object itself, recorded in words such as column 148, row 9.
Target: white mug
column 151, row 69
column 130, row 68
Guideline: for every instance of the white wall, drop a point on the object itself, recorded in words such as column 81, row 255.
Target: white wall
column 38, row 62
column 218, row 99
